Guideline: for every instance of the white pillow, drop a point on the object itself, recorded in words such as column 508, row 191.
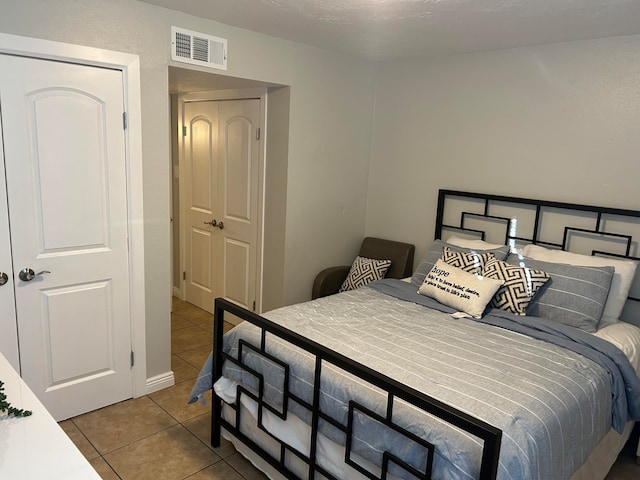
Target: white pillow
column 626, row 337
column 620, row 285
column 456, row 288
column 473, row 244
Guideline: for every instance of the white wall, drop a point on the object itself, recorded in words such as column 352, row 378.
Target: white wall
column 559, row 122
column 330, row 115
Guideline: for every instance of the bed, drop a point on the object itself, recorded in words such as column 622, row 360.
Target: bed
column 435, row 376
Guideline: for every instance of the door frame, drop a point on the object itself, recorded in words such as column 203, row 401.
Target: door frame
column 129, row 64
column 241, row 94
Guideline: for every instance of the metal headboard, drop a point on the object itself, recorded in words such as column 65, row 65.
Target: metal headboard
column 515, row 221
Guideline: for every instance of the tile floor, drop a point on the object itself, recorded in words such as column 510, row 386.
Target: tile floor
column 160, row 437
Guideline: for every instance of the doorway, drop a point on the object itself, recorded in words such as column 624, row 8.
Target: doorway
column 274, row 128
column 73, row 283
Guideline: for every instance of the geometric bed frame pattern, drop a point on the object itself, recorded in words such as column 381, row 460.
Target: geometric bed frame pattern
column 490, row 435
column 497, row 219
column 586, row 229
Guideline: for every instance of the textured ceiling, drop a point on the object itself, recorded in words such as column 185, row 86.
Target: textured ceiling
column 391, row 29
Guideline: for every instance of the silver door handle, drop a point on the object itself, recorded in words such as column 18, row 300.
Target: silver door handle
column 215, row 223
column 3, row 278
column 27, row 274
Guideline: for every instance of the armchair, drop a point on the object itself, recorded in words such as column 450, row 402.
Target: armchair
column 329, row 280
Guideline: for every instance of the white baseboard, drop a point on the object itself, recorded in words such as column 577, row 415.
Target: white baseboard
column 177, row 293
column 164, row 380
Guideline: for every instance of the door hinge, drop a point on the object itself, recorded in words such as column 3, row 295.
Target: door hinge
column 184, row 275
column 254, row 305
column 132, row 359
column 184, row 131
column 258, row 133
column 124, row 120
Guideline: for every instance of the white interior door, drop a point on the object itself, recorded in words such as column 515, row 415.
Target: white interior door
column 238, row 203
column 221, row 165
column 201, row 239
column 64, row 153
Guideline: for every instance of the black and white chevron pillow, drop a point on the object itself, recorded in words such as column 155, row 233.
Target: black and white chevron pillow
column 469, row 262
column 520, row 285
column 363, row 271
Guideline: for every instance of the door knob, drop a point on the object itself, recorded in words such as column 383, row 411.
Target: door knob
column 215, row 223
column 27, row 274
column 3, row 278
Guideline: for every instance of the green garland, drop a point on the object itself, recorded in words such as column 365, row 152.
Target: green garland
column 6, row 406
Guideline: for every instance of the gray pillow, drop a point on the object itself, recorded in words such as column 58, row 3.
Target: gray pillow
column 574, row 296
column 435, row 252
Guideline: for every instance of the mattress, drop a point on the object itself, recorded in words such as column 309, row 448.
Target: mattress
column 552, row 404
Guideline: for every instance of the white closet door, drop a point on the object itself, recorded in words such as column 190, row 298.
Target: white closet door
column 202, row 238
column 65, row 168
column 221, row 194
column 238, row 198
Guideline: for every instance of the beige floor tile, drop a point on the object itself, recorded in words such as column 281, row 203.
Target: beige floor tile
column 79, row 439
column 179, row 306
column 103, row 469
column 208, row 327
column 219, row 471
column 189, row 338
column 174, row 401
column 201, row 427
column 173, row 453
column 123, row 423
column 198, row 316
column 178, row 322
column 245, row 467
column 182, row 370
column 197, row 356
column 189, row 311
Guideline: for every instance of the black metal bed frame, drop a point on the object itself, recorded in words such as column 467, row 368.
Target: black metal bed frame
column 490, row 435
column 600, row 215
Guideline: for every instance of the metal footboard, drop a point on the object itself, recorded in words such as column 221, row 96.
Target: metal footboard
column 490, row 435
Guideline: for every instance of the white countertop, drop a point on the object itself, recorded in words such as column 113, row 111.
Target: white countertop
column 35, row 447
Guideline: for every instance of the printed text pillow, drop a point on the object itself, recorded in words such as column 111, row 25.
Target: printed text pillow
column 458, row 289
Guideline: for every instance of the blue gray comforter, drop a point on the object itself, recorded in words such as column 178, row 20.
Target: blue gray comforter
column 552, row 390
column 625, row 384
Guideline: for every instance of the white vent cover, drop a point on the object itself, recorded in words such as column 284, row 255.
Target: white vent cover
column 198, row 48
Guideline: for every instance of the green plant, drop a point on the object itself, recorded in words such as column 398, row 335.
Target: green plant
column 6, row 406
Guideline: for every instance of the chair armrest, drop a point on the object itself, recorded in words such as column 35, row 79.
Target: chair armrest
column 329, row 281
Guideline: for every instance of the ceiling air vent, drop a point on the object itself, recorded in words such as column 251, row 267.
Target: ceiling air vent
column 198, row 48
